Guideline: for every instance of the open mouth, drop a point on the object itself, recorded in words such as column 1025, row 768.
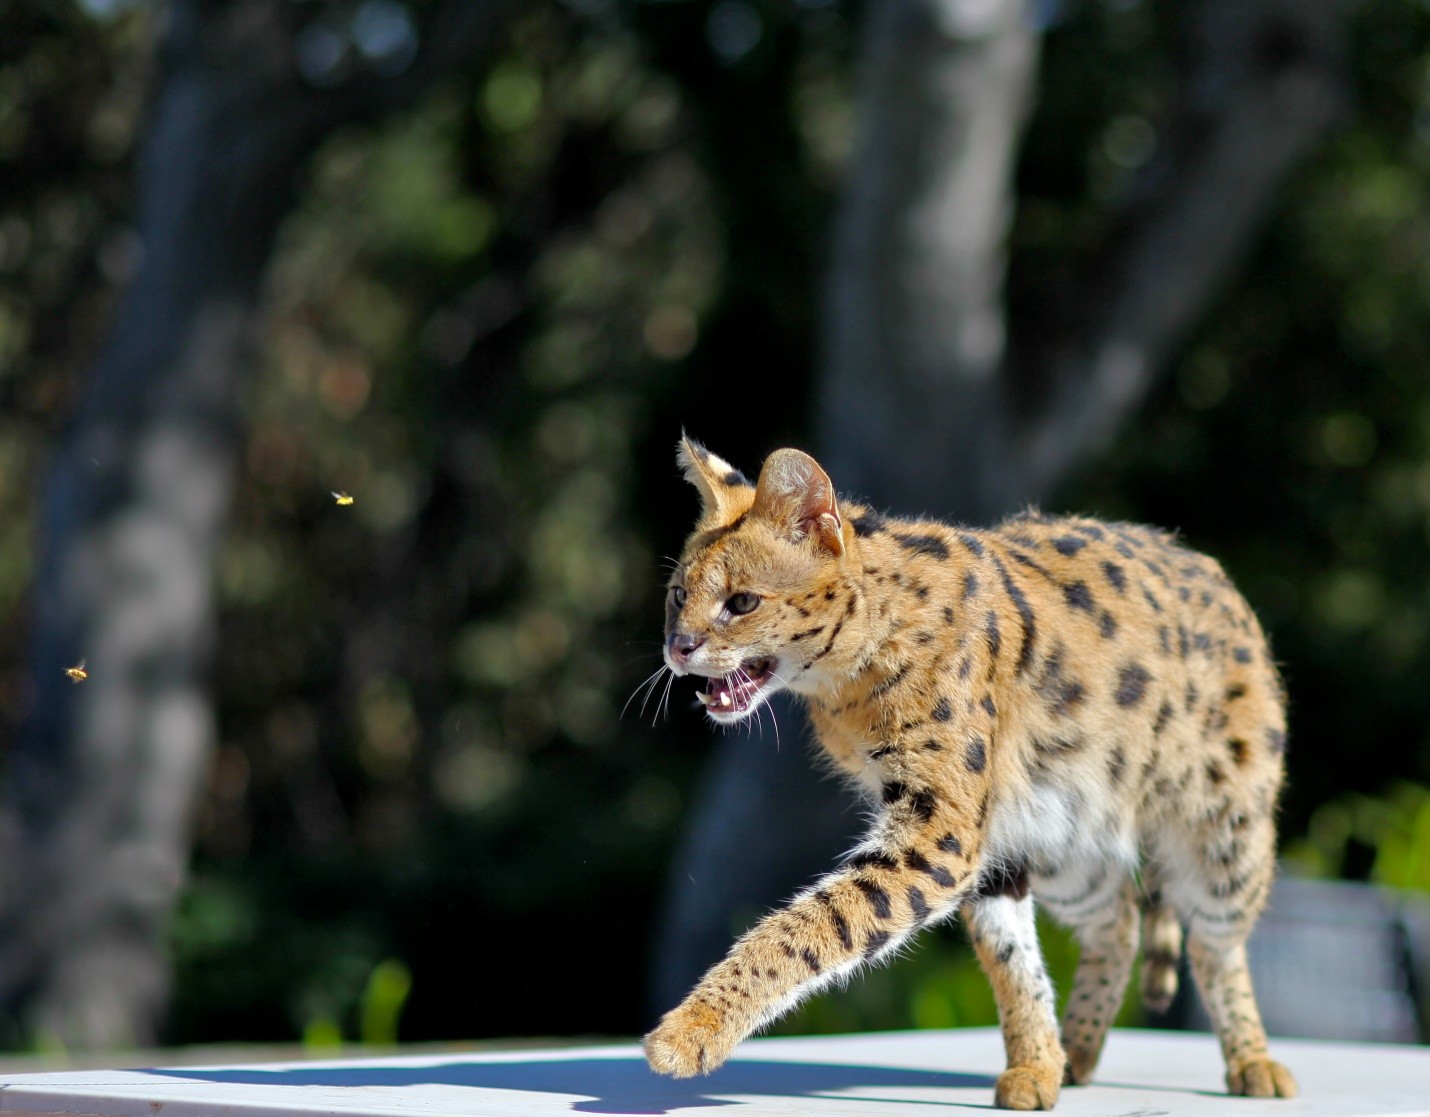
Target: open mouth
column 736, row 692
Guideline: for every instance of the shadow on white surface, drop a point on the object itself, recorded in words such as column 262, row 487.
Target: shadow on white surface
column 615, row 1085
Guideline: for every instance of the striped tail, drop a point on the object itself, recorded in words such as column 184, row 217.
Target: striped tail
column 1161, row 954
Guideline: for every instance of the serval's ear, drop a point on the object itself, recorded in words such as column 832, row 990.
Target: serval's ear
column 796, row 495
column 722, row 486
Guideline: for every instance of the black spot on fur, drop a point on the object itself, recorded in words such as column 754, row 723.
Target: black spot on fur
column 810, row 960
column 1025, row 614
column 973, row 545
column 1192, row 696
column 870, row 523
column 921, row 864
column 1090, row 530
column 736, row 479
column 930, row 545
column 876, row 942
column 932, row 746
column 1030, row 563
column 841, row 928
column 975, row 754
column 1115, row 577
column 949, row 843
column 995, row 640
column 1151, row 599
column 1164, row 715
column 1116, row 765
column 947, row 615
column 1235, row 691
column 872, row 859
column 918, row 905
column 1238, row 750
column 893, row 791
column 1068, row 544
column 1132, row 683
column 970, row 585
column 1276, row 740
column 1241, row 655
column 923, row 803
column 1060, row 693
column 943, row 710
column 1004, row 880
column 1057, row 746
column 886, row 685
column 1107, row 625
column 988, row 707
column 1078, row 596
column 1005, row 953
column 878, row 898
column 1215, row 776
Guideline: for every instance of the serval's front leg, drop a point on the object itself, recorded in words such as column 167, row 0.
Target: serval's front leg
column 864, row 910
column 1005, row 938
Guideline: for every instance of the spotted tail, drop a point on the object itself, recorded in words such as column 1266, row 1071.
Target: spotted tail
column 1161, row 955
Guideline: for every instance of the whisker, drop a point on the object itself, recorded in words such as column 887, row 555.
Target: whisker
column 647, row 687
column 663, row 706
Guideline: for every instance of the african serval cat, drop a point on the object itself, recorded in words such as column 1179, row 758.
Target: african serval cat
column 1082, row 712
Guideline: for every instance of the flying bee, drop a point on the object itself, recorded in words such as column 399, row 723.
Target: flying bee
column 343, row 499
column 77, row 673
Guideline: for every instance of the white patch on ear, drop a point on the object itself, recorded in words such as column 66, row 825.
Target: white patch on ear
column 708, row 473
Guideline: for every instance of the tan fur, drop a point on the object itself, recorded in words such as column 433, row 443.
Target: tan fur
column 1081, row 712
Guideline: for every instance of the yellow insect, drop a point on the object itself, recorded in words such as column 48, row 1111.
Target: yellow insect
column 77, row 673
column 343, row 499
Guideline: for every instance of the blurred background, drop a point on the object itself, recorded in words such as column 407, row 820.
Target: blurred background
column 353, row 773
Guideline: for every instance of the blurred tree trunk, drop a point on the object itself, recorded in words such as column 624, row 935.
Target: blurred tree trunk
column 918, row 387
column 106, row 775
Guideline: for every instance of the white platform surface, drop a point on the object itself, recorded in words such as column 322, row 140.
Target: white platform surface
column 1143, row 1074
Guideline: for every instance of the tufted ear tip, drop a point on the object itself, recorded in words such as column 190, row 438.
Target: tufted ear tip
column 718, row 482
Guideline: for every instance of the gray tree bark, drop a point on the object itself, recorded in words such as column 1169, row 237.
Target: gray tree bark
column 915, row 398
column 105, row 776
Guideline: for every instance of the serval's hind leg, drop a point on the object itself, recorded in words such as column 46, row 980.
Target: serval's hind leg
column 1221, row 904
column 1102, row 912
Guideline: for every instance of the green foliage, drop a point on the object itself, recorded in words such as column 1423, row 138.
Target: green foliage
column 1391, row 831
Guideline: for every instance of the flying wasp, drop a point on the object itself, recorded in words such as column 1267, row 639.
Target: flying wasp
column 343, row 499
column 77, row 673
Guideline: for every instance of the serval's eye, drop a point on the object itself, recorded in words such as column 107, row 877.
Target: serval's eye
column 677, row 595
column 741, row 603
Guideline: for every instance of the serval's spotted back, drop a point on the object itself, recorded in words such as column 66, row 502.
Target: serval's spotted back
column 1081, row 712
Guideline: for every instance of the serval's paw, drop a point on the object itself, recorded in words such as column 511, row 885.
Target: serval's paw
column 1080, row 1065
column 1027, row 1088
column 1262, row 1077
column 691, row 1039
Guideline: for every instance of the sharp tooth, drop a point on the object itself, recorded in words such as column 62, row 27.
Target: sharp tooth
column 724, row 698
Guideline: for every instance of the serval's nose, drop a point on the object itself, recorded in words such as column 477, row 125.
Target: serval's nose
column 682, row 646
